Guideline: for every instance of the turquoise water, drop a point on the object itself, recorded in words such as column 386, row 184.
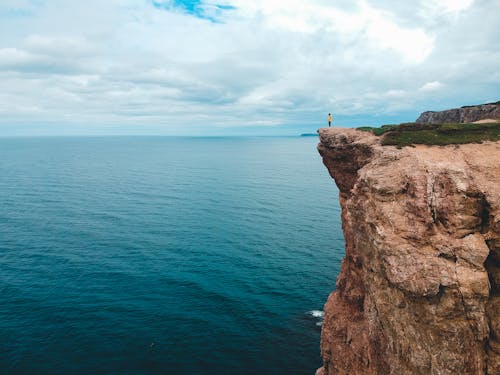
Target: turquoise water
column 159, row 255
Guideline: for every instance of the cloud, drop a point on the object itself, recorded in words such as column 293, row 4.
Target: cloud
column 454, row 5
column 76, row 46
column 431, row 86
column 22, row 61
column 239, row 63
column 374, row 27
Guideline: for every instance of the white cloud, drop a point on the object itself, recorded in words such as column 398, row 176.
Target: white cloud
column 75, row 46
column 372, row 25
column 10, row 57
column 454, row 5
column 262, row 62
column 431, row 86
column 414, row 44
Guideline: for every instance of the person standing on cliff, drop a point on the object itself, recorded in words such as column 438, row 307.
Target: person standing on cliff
column 329, row 119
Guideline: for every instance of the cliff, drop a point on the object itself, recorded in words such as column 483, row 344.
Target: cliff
column 465, row 114
column 419, row 287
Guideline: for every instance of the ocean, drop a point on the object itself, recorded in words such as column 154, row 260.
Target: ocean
column 165, row 255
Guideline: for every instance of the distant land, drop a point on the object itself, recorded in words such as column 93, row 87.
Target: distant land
column 489, row 112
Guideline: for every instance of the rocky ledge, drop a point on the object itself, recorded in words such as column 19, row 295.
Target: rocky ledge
column 471, row 113
column 419, row 287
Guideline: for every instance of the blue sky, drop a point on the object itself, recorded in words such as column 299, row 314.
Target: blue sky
column 239, row 66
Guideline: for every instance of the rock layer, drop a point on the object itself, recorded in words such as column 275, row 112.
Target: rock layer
column 465, row 114
column 419, row 287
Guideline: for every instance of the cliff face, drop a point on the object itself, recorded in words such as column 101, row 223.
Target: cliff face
column 461, row 115
column 419, row 287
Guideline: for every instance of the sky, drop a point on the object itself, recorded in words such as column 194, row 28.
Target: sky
column 213, row 67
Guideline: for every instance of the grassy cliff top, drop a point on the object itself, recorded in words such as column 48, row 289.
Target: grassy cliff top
column 435, row 134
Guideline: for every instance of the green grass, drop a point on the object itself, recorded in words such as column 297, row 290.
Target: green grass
column 378, row 131
column 435, row 134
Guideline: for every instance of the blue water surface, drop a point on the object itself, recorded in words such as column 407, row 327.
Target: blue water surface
column 161, row 255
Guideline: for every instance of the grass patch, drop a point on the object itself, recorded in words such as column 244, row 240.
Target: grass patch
column 378, row 131
column 435, row 134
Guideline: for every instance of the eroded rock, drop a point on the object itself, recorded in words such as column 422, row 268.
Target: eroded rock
column 419, row 287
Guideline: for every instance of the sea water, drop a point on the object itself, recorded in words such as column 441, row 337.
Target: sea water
column 162, row 255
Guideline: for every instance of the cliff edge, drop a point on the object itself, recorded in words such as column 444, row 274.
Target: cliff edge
column 419, row 287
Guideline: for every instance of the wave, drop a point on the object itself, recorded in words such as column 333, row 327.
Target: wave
column 316, row 314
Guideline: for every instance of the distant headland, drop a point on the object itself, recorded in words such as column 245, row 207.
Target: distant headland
column 489, row 112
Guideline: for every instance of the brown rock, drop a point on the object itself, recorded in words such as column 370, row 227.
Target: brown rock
column 419, row 287
column 468, row 114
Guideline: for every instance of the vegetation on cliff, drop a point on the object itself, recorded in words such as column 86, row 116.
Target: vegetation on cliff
column 435, row 134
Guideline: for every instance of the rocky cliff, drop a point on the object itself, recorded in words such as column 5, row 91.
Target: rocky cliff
column 469, row 114
column 419, row 287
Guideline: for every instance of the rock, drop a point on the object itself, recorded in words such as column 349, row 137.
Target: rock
column 468, row 114
column 419, row 287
